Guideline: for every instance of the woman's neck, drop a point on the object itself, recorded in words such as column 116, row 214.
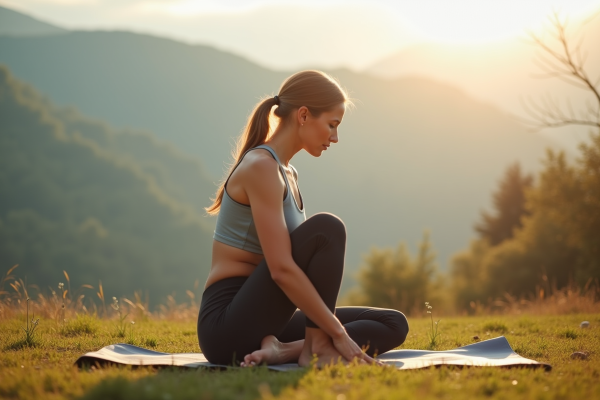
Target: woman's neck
column 285, row 142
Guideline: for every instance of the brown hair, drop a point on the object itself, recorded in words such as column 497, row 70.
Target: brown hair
column 316, row 90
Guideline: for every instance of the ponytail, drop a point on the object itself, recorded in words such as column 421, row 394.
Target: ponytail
column 314, row 89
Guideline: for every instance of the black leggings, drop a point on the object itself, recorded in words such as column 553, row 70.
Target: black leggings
column 237, row 313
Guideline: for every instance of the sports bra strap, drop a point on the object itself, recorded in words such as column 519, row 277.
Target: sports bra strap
column 270, row 150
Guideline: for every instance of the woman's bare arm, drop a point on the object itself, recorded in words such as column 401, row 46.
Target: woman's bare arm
column 264, row 186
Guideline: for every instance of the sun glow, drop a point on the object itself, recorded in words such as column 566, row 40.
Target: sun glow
column 192, row 8
column 438, row 21
column 476, row 21
column 287, row 34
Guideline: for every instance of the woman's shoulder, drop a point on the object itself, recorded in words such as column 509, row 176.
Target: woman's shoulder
column 258, row 159
column 257, row 164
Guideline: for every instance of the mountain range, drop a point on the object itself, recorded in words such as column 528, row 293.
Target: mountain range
column 414, row 154
column 507, row 73
column 103, row 205
column 14, row 23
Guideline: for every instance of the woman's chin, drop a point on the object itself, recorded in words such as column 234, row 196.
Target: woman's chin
column 316, row 153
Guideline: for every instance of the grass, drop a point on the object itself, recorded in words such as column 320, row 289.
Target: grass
column 46, row 370
column 81, row 325
column 495, row 326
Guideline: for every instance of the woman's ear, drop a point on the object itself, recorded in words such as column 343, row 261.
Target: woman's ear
column 302, row 114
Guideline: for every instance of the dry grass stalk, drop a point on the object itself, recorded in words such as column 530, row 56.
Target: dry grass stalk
column 66, row 305
column 568, row 300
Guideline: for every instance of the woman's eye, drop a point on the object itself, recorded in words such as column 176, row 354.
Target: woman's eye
column 331, row 126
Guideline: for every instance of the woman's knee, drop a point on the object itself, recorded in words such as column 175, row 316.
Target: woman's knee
column 329, row 223
column 399, row 324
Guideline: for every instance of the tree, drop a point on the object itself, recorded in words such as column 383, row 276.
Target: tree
column 566, row 64
column 509, row 204
column 468, row 274
column 569, row 196
column 558, row 241
column 558, row 244
column 393, row 279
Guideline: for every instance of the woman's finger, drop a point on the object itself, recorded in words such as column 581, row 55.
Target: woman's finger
column 375, row 362
column 368, row 358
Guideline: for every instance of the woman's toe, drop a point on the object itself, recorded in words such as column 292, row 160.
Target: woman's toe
column 252, row 359
column 247, row 360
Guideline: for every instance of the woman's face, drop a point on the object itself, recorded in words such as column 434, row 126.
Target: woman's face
column 318, row 133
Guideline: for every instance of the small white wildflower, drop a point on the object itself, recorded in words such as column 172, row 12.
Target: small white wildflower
column 61, row 285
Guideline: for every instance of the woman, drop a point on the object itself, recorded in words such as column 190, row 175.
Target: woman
column 268, row 259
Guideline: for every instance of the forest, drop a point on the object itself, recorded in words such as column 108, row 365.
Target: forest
column 83, row 194
column 119, row 208
column 123, row 209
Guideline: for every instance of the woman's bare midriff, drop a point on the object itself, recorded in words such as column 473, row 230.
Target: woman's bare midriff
column 229, row 261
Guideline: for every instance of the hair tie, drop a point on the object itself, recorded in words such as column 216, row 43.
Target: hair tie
column 276, row 99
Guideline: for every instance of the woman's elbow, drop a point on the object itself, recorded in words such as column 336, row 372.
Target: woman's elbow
column 280, row 273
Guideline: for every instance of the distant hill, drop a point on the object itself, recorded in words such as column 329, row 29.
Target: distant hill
column 502, row 73
column 414, row 154
column 14, row 23
column 195, row 96
column 100, row 204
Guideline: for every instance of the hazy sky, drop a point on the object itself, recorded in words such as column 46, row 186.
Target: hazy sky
column 288, row 34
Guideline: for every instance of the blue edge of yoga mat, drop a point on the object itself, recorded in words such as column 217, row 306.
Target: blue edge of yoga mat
column 489, row 353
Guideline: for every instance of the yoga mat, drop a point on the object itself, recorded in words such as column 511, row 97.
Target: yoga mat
column 489, row 353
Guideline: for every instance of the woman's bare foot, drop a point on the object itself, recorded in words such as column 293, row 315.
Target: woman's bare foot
column 272, row 352
column 319, row 343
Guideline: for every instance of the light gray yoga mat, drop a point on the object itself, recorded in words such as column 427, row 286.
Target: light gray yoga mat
column 489, row 353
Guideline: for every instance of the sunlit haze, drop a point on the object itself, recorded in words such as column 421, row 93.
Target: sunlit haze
column 119, row 117
column 472, row 21
column 329, row 33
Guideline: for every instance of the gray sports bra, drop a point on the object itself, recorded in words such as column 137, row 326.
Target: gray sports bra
column 235, row 225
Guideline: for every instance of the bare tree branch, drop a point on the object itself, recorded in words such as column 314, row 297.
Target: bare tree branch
column 567, row 65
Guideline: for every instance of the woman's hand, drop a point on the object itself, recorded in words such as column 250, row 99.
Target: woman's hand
column 350, row 350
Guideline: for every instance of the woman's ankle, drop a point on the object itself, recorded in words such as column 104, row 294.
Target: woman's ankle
column 318, row 344
column 316, row 339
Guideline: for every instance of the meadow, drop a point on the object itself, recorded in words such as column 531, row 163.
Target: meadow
column 42, row 366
